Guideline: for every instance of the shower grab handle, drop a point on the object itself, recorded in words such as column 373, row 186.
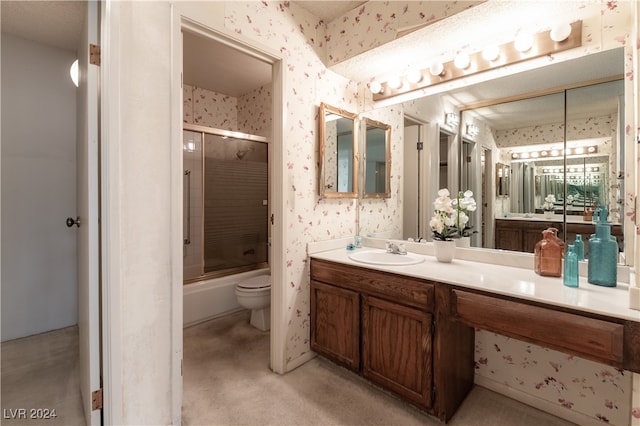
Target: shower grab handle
column 187, row 174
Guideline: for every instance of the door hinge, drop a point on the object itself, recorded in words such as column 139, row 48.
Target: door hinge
column 96, row 400
column 272, row 218
column 420, row 146
column 94, row 54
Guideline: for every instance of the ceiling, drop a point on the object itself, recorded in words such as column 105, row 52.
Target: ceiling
column 54, row 23
column 218, row 67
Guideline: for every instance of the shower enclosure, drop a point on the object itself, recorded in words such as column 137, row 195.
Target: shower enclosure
column 225, row 206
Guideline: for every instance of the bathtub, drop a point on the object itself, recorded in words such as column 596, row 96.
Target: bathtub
column 208, row 299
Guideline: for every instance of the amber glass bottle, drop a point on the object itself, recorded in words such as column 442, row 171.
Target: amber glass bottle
column 547, row 259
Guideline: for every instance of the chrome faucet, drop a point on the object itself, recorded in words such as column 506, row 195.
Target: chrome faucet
column 395, row 248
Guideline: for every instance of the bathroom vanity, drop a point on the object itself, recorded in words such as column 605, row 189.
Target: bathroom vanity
column 410, row 329
column 521, row 234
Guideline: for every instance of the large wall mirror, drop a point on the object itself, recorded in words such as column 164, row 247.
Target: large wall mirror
column 559, row 156
column 338, row 138
column 377, row 159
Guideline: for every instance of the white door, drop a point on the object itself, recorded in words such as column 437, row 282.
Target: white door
column 88, row 208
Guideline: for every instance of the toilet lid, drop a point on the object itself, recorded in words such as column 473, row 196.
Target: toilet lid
column 261, row 281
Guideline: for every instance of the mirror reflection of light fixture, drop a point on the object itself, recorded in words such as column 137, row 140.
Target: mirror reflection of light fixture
column 472, row 130
column 451, row 119
column 580, row 150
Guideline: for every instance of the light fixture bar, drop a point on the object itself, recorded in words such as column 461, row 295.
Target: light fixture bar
column 542, row 45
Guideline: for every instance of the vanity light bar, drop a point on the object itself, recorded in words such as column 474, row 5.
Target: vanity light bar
column 552, row 153
column 437, row 73
column 570, row 170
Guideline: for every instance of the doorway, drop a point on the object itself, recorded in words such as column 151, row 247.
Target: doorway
column 239, row 58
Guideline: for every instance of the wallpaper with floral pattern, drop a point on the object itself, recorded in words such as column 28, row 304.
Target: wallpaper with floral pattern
column 298, row 37
column 597, row 390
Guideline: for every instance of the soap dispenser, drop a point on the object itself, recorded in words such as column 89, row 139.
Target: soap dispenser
column 603, row 252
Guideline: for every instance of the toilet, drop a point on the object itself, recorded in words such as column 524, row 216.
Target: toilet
column 255, row 294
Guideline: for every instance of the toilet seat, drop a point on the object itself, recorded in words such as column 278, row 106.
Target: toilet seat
column 256, row 283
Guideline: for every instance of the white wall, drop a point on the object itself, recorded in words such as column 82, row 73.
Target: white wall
column 39, row 286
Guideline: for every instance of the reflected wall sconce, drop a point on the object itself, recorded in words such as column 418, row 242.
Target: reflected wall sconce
column 451, row 119
column 525, row 46
column 472, row 130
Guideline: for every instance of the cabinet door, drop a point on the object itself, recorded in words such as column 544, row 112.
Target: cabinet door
column 335, row 324
column 397, row 348
column 508, row 239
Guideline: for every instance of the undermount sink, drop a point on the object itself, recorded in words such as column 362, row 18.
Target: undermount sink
column 382, row 257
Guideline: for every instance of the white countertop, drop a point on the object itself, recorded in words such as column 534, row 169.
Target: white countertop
column 511, row 281
column 541, row 218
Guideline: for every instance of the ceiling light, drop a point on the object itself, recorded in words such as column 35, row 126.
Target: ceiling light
column 534, row 154
column 515, row 156
column 73, row 72
column 579, row 150
column 414, row 76
column 375, row 87
column 523, row 42
column 560, row 32
column 554, row 152
column 436, row 69
column 491, row 53
column 591, row 149
column 544, row 153
column 461, row 61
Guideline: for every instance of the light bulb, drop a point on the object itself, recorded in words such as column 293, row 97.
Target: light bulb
column 491, row 53
column 436, row 69
column 560, row 32
column 394, row 83
column 414, row 76
column 523, row 42
column 375, row 87
column 461, row 61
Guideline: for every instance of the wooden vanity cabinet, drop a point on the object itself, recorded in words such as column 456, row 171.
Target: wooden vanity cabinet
column 335, row 324
column 396, row 348
column 385, row 327
column 377, row 324
column 522, row 235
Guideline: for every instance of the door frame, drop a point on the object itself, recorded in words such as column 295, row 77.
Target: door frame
column 277, row 206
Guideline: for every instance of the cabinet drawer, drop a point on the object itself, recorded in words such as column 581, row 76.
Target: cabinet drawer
column 410, row 291
column 589, row 337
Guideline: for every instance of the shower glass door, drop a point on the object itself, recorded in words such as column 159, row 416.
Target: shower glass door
column 229, row 226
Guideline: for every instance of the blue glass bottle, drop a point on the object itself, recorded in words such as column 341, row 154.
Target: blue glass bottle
column 603, row 253
column 570, row 278
column 578, row 247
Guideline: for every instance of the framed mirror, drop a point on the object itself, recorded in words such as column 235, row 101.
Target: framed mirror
column 338, row 138
column 377, row 159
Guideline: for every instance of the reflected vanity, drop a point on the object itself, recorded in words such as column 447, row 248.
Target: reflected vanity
column 338, row 139
column 569, row 146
